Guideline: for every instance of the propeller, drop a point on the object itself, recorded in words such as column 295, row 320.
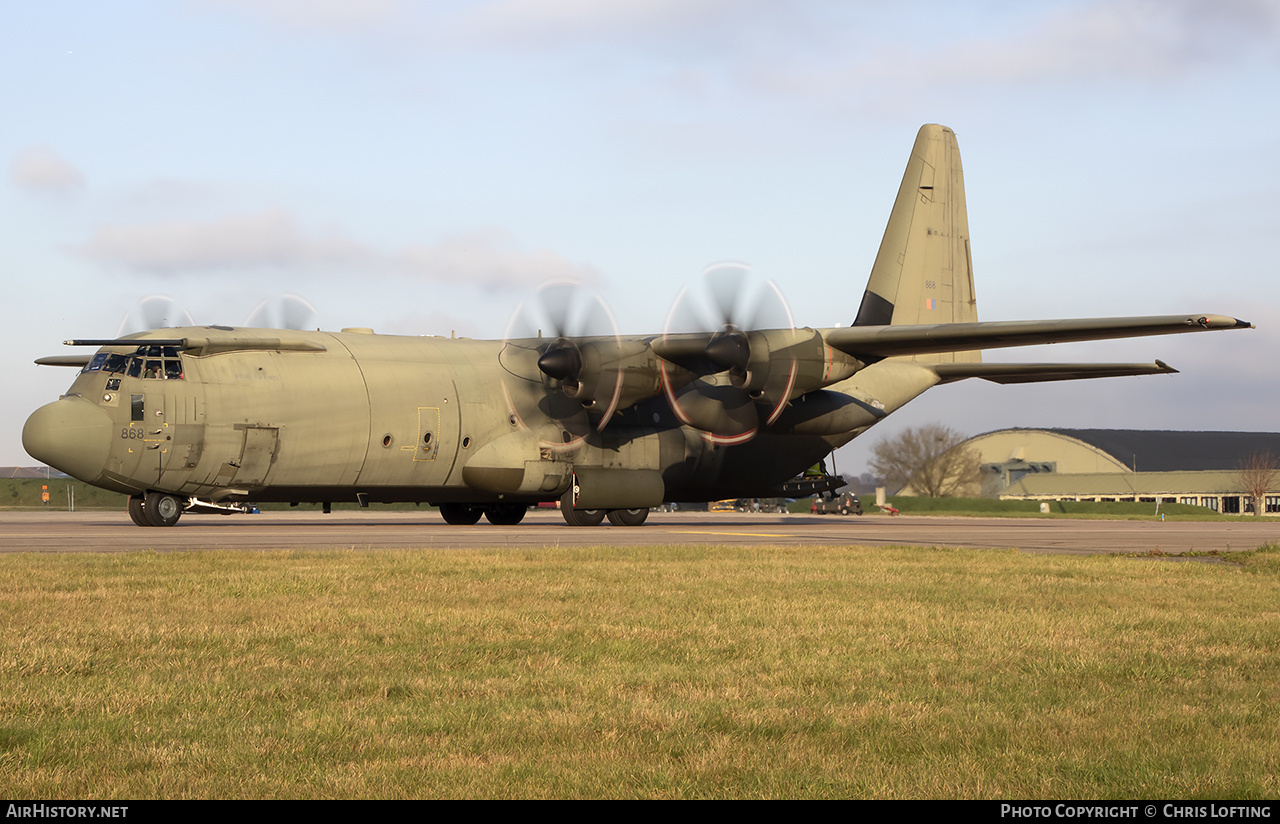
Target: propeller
column 154, row 312
column 563, row 356
column 726, row 367
column 284, row 311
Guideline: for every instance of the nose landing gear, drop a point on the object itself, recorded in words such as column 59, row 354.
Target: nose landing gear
column 156, row 509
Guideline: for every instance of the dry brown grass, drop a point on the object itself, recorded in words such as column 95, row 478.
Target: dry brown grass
column 638, row 672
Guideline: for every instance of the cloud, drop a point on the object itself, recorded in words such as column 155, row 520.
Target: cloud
column 1142, row 39
column 1109, row 41
column 41, row 169
column 489, row 258
column 499, row 23
column 555, row 22
column 318, row 15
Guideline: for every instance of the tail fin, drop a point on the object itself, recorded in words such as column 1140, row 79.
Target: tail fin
column 923, row 273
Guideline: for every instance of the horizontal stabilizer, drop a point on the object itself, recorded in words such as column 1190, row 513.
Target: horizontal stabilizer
column 869, row 342
column 1040, row 372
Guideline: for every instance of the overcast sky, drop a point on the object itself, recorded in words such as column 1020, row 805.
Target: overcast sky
column 421, row 167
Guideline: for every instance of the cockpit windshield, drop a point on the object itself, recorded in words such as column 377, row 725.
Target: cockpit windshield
column 148, row 362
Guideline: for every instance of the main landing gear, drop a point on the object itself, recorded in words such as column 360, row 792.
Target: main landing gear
column 496, row 514
column 156, row 509
column 593, row 517
column 512, row 514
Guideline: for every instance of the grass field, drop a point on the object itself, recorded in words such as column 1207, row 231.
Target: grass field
column 647, row 672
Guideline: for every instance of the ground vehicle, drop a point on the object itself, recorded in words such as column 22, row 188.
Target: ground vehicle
column 846, row 504
column 761, row 505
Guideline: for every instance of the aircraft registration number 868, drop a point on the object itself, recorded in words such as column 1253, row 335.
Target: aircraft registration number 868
column 130, row 433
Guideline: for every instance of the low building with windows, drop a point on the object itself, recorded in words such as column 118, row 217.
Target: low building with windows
column 1197, row 468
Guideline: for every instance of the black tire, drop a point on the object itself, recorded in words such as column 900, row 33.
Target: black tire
column 844, row 510
column 460, row 514
column 582, row 517
column 505, row 514
column 627, row 517
column 162, row 509
column 137, row 511
column 578, row 517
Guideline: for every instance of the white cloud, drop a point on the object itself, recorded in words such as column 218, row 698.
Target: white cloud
column 41, row 169
column 546, row 22
column 1141, row 39
column 825, row 45
column 331, row 15
column 273, row 240
column 491, row 259
column 1154, row 41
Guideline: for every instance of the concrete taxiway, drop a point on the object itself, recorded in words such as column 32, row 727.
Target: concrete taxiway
column 113, row 532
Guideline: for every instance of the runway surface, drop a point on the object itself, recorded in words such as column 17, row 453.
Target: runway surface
column 114, row 532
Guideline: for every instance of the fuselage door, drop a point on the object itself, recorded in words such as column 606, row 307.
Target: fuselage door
column 256, row 455
column 145, row 439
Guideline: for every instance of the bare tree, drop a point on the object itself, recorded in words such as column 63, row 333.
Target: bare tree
column 1258, row 476
column 930, row 459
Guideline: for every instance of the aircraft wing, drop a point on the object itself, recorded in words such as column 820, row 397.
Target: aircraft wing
column 1039, row 372
column 886, row 341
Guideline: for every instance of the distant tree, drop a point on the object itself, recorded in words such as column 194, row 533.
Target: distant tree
column 1258, row 476
column 929, row 459
column 863, row 484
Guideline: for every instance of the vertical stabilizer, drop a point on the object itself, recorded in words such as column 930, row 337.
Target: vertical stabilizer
column 923, row 272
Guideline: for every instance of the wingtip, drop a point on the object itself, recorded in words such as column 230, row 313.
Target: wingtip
column 1218, row 322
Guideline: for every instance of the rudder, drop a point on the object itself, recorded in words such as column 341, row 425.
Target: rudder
column 923, row 273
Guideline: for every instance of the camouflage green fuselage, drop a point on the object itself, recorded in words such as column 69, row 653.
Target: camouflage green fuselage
column 393, row 418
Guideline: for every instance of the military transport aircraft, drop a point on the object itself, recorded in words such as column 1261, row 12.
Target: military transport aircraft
column 206, row 418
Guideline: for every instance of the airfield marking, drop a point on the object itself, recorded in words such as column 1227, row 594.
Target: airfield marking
column 107, row 531
column 739, row 534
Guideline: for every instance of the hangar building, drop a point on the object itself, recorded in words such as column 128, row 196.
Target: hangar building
column 1197, row 468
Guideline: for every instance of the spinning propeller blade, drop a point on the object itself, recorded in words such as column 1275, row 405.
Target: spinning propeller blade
column 732, row 332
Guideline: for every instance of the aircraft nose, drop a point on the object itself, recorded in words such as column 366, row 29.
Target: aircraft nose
column 71, row 435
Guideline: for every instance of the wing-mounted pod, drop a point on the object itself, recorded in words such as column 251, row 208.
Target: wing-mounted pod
column 518, row 464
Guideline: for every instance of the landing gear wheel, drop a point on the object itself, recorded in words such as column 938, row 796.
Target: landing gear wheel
column 136, row 513
column 628, row 517
column 162, row 509
column 505, row 514
column 583, row 517
column 579, row 517
column 460, row 514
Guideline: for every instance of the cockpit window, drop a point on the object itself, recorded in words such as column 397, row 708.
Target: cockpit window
column 148, row 362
